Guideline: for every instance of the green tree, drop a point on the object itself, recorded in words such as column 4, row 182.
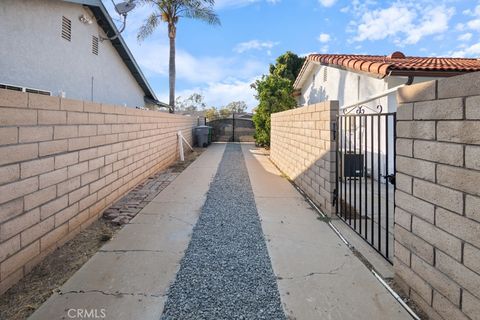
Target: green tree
column 211, row 113
column 237, row 106
column 193, row 103
column 170, row 11
column 275, row 93
column 225, row 112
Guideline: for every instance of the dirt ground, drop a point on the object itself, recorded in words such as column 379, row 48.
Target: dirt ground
column 28, row 294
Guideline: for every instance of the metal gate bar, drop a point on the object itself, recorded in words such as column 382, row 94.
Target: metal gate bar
column 365, row 170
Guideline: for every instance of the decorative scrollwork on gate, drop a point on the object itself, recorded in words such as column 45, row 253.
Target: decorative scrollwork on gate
column 360, row 109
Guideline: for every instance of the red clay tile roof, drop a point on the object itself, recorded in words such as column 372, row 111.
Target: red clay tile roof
column 396, row 64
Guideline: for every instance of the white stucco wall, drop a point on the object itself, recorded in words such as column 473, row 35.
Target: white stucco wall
column 349, row 87
column 33, row 54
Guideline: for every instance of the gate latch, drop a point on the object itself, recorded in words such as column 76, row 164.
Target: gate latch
column 390, row 178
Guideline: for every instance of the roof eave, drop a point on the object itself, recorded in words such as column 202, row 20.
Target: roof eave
column 429, row 73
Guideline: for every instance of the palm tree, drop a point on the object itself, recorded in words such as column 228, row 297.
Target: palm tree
column 169, row 11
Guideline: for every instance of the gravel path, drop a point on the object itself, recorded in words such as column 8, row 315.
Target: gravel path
column 226, row 271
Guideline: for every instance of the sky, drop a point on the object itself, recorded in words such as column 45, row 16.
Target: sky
column 220, row 62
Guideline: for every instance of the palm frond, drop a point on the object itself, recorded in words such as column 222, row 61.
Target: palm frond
column 201, row 10
column 149, row 26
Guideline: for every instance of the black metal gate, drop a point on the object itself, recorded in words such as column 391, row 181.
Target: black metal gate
column 236, row 128
column 365, row 176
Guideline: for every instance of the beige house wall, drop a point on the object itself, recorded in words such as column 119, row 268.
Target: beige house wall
column 302, row 146
column 62, row 162
column 437, row 214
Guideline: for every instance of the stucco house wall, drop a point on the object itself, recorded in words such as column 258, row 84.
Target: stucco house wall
column 347, row 87
column 33, row 54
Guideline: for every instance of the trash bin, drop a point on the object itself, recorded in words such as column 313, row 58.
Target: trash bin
column 201, row 134
column 210, row 135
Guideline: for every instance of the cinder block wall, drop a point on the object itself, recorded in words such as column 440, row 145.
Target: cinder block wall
column 62, row 162
column 437, row 214
column 302, row 146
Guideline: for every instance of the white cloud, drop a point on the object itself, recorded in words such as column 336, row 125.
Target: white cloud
column 327, row 3
column 465, row 37
column 403, row 22
column 434, row 21
column 472, row 51
column 382, row 23
column 324, row 49
column 254, row 45
column 324, row 37
column 474, row 24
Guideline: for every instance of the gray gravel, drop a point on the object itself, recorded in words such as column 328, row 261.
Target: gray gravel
column 226, row 271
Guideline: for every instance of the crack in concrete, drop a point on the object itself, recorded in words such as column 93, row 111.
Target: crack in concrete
column 115, row 294
column 331, row 272
column 134, row 250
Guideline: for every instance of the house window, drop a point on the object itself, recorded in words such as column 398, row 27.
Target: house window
column 95, row 45
column 313, row 79
column 66, row 29
column 325, row 74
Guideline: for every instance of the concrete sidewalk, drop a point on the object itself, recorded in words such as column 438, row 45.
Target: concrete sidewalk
column 318, row 276
column 129, row 277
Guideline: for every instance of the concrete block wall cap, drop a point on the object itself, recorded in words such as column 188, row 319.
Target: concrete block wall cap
column 423, row 91
column 459, row 86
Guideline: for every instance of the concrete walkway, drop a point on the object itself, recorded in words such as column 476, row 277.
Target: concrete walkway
column 317, row 275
